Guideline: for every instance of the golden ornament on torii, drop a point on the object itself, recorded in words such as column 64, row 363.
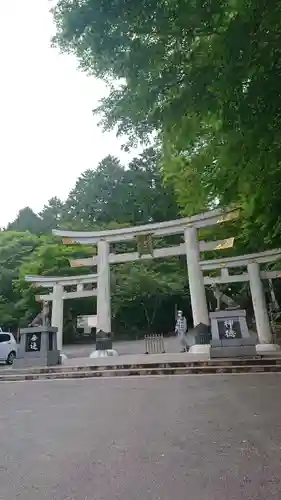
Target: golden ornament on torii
column 144, row 244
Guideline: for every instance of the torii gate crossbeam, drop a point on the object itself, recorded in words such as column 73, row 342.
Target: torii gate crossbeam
column 58, row 295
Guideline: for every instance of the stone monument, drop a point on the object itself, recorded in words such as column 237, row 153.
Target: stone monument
column 230, row 334
column 38, row 343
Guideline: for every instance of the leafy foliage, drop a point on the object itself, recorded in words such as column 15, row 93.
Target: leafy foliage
column 128, row 196
column 51, row 215
column 149, row 292
column 26, row 220
column 205, row 76
column 15, row 249
column 110, row 196
column 50, row 258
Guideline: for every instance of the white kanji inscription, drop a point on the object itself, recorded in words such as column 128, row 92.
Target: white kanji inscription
column 229, row 332
column 33, row 342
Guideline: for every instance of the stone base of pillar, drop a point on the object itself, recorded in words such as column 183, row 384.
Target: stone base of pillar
column 268, row 349
column 103, row 353
column 200, row 349
column 103, row 341
column 63, row 358
column 202, row 334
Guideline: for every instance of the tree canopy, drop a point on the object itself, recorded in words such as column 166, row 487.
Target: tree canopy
column 199, row 78
column 204, row 75
column 110, row 193
column 143, row 296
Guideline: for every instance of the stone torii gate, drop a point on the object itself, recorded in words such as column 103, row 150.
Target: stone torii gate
column 59, row 294
column 254, row 275
column 191, row 248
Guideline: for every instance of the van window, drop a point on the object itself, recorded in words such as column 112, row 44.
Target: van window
column 4, row 337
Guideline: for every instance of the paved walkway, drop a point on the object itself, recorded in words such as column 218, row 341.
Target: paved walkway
column 172, row 345
column 183, row 438
column 123, row 347
column 136, row 359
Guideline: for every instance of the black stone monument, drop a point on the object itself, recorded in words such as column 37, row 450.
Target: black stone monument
column 38, row 347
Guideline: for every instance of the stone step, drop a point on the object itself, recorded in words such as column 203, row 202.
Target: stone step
column 140, row 371
column 220, row 362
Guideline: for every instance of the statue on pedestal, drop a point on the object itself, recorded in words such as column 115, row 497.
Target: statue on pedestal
column 45, row 314
column 42, row 319
column 222, row 298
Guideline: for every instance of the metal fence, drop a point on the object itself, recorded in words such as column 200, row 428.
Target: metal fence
column 154, row 344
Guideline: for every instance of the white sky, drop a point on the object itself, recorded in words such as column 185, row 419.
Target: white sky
column 48, row 133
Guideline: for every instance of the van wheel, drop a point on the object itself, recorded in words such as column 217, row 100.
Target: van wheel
column 10, row 358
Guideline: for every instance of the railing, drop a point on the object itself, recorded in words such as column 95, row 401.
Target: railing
column 154, row 344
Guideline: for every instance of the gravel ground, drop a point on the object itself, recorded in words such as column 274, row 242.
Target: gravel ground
column 187, row 438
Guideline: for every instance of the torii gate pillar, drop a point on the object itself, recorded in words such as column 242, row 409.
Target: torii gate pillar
column 57, row 313
column 195, row 276
column 103, row 286
column 259, row 304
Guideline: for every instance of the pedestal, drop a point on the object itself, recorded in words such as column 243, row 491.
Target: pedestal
column 230, row 335
column 103, row 353
column 268, row 349
column 202, row 334
column 103, row 341
column 38, row 347
column 200, row 349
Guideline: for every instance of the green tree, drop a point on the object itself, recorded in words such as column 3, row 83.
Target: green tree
column 15, row 249
column 144, row 296
column 26, row 220
column 52, row 214
column 205, row 76
column 50, row 258
column 110, row 196
column 97, row 197
column 111, row 193
column 148, row 199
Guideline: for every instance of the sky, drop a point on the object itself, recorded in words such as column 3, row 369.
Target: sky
column 49, row 135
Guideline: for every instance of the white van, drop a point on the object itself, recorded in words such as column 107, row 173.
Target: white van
column 8, row 347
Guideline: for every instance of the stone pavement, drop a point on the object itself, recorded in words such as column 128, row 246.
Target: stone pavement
column 123, row 347
column 136, row 359
column 197, row 438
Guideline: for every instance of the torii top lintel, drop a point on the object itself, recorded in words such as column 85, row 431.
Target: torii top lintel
column 50, row 281
column 177, row 226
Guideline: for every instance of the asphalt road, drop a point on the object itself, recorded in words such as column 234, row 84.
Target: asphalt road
column 182, row 438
